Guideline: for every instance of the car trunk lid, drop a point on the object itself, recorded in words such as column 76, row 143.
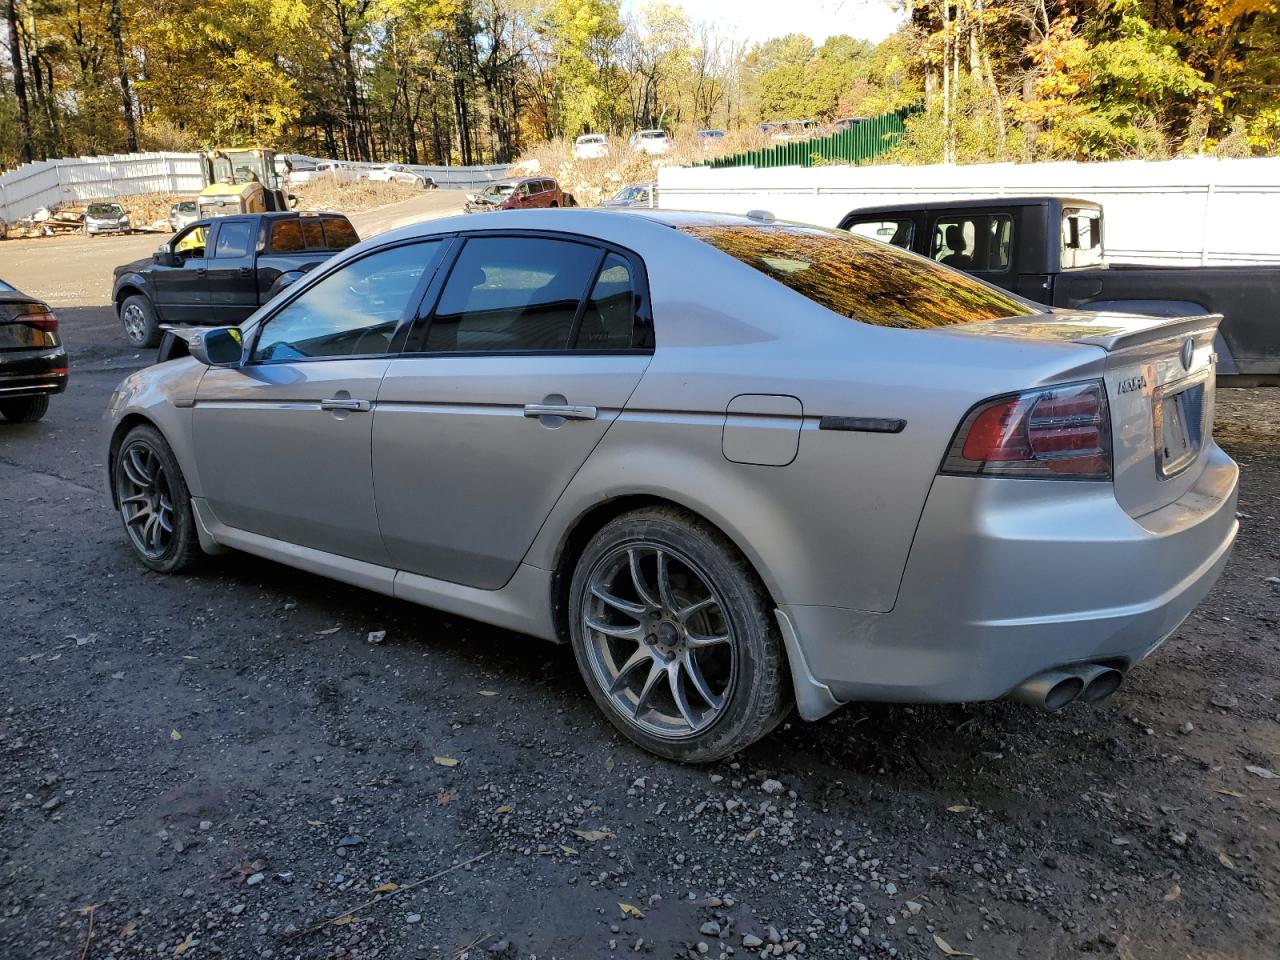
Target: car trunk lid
column 1159, row 374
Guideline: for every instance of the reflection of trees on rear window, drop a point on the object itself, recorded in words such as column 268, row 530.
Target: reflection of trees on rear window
column 861, row 279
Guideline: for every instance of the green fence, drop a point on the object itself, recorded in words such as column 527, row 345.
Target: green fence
column 859, row 143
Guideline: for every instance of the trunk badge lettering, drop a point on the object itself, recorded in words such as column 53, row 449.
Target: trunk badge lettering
column 1130, row 384
column 1188, row 353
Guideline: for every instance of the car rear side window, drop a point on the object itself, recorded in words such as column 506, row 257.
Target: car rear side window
column 512, row 294
column 235, row 239
column 978, row 243
column 861, row 279
column 609, row 320
column 354, row 311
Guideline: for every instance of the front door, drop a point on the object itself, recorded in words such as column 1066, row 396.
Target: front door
column 182, row 291
column 534, row 348
column 233, row 288
column 283, row 441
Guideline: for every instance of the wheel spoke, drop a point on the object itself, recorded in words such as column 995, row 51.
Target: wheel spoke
column 636, row 610
column 637, row 579
column 678, row 695
column 142, row 514
column 704, row 640
column 133, row 472
column 700, row 682
column 656, row 672
column 641, row 655
column 689, row 611
column 609, row 630
column 664, row 584
column 141, row 465
column 136, row 498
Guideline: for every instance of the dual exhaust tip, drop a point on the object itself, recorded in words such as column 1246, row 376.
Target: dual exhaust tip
column 1054, row 689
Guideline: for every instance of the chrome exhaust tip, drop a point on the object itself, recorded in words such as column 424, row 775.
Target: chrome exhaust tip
column 1099, row 682
column 1050, row 691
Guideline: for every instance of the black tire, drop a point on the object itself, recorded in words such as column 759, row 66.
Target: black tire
column 180, row 551
column 142, row 330
column 24, row 409
column 758, row 696
column 554, row 204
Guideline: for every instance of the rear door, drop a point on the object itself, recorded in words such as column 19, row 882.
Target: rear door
column 975, row 241
column 233, row 287
column 533, row 348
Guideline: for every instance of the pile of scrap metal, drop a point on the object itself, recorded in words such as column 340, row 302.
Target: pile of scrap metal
column 45, row 222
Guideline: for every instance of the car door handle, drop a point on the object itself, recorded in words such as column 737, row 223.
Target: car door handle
column 201, row 271
column 346, row 403
column 246, row 271
column 570, row 411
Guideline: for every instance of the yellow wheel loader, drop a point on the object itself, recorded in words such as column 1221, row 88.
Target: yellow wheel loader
column 241, row 180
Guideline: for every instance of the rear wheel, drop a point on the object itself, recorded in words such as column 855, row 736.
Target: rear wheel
column 674, row 636
column 554, row 204
column 154, row 503
column 24, row 409
column 139, row 320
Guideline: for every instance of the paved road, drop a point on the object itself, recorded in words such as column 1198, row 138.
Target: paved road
column 222, row 760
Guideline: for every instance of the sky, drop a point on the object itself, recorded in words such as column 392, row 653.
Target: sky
column 755, row 20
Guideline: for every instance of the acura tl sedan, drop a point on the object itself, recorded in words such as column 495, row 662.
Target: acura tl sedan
column 738, row 464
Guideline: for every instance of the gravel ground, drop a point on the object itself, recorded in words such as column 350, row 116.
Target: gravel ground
column 216, row 765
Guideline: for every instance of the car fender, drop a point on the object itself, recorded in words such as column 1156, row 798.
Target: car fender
column 135, row 280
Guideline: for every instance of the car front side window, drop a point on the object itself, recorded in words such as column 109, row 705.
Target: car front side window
column 353, row 311
column 191, row 244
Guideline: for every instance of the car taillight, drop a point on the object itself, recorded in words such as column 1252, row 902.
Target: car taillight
column 1052, row 433
column 42, row 320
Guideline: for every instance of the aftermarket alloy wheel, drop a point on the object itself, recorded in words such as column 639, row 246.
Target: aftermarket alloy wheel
column 154, row 503
column 675, row 637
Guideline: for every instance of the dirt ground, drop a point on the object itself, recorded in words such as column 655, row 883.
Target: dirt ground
column 212, row 766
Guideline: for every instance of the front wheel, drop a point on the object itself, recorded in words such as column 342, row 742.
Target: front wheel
column 154, row 503
column 24, row 409
column 674, row 635
column 140, row 324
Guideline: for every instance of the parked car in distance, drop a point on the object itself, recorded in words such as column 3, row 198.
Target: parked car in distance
column 33, row 362
column 848, row 123
column 220, row 271
column 105, row 218
column 182, row 214
column 399, row 173
column 782, row 131
column 651, row 142
column 521, row 194
column 709, row 139
column 591, row 146
column 634, row 195
column 735, row 463
column 1050, row 250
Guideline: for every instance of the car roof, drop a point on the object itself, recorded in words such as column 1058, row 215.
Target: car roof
column 974, row 202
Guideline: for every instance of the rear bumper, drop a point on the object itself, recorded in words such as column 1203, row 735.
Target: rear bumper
column 33, row 373
column 1007, row 578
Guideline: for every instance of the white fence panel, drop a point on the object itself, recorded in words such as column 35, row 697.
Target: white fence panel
column 48, row 183
column 1195, row 210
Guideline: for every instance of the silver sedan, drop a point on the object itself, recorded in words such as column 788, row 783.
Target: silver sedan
column 738, row 464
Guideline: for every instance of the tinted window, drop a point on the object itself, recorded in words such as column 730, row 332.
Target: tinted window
column 609, row 317
column 286, row 236
column 508, row 293
column 977, row 243
column 339, row 233
column 860, row 279
column 898, row 232
column 312, row 233
column 353, row 311
column 235, row 239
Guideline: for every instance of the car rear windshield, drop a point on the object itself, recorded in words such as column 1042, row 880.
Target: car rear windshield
column 861, row 279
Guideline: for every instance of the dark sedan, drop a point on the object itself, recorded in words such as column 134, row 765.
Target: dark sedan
column 33, row 363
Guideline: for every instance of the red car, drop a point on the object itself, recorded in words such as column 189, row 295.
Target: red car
column 518, row 195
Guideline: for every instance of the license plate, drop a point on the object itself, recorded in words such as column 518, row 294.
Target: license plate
column 1179, row 420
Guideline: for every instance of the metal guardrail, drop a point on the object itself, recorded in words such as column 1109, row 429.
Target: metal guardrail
column 866, row 139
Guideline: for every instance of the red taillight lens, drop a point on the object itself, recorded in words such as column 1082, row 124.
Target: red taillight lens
column 44, row 320
column 1059, row 432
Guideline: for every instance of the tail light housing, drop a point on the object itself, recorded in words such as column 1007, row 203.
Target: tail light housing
column 1052, row 433
column 42, row 320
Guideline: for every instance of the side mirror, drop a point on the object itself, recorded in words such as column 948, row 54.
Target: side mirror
column 166, row 257
column 217, row 347
column 293, row 201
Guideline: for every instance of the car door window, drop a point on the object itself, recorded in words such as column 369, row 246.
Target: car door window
column 235, row 239
column 899, row 232
column 354, row 311
column 979, row 244
column 190, row 245
column 609, row 319
column 512, row 294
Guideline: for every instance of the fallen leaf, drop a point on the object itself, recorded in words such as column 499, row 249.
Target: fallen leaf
column 127, row 929
column 56, row 656
column 1121, row 841
column 385, row 888
column 174, row 735
column 445, row 797
column 488, row 693
column 1232, row 793
column 568, row 851
column 1174, row 893
column 343, row 921
column 445, row 761
column 961, row 808
column 949, row 950
column 629, row 911
column 592, row 836
column 1226, row 861
column 87, row 909
column 609, row 764
column 504, row 809
column 315, row 823
column 1264, row 773
column 185, row 945
column 325, row 633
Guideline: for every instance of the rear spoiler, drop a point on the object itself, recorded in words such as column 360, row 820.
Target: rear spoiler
column 1122, row 331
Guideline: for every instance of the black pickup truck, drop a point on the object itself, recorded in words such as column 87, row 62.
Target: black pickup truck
column 219, row 271
column 1049, row 250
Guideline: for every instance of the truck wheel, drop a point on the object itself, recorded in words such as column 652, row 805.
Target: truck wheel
column 140, row 324
column 24, row 409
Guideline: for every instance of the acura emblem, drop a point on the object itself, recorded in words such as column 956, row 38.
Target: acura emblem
column 1188, row 353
